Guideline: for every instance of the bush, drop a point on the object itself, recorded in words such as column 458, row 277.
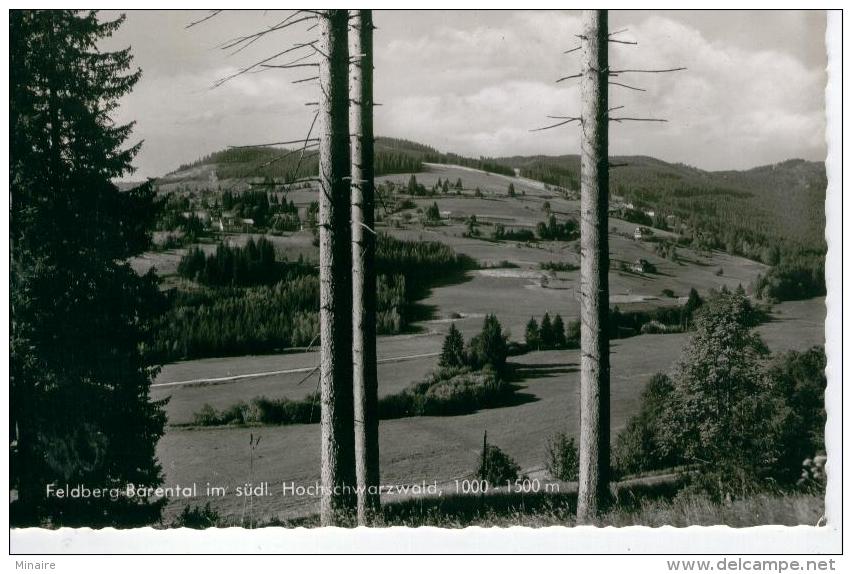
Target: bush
column 654, row 327
column 563, row 460
column 490, row 347
column 197, row 517
column 557, row 266
column 447, row 391
column 495, row 466
column 464, row 393
column 207, row 416
column 638, row 447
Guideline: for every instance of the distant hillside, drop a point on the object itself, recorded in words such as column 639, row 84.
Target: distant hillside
column 742, row 210
column 392, row 156
column 753, row 213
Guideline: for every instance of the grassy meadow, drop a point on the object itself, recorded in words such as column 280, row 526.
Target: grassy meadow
column 510, row 283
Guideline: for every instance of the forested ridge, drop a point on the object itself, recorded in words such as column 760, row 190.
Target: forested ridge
column 774, row 213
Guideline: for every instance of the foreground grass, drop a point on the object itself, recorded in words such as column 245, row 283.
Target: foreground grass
column 650, row 505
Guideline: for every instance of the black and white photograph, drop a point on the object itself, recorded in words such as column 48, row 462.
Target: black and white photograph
column 286, row 272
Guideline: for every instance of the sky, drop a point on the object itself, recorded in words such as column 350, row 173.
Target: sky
column 478, row 82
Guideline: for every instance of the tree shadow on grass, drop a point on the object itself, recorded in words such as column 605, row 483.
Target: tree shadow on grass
column 417, row 312
column 521, row 372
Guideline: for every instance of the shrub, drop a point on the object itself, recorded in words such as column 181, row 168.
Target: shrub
column 207, row 416
column 799, row 379
column 197, row 517
column 638, row 447
column 464, row 393
column 557, row 266
column 490, row 347
column 495, row 466
column 563, row 460
column 654, row 327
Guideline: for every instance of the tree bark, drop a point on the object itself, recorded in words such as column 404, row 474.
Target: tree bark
column 594, row 269
column 337, row 434
column 364, row 374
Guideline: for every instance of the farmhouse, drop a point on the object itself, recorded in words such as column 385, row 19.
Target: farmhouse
column 642, row 266
column 638, row 234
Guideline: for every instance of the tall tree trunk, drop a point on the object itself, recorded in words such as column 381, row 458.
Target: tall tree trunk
column 594, row 269
column 364, row 374
column 337, row 442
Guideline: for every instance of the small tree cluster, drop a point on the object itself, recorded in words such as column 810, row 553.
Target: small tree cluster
column 551, row 334
column 489, row 348
column 728, row 407
column 253, row 264
column 433, row 214
column 555, row 230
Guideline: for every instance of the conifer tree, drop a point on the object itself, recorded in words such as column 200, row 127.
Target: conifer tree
column 559, row 340
column 546, row 332
column 452, row 351
column 80, row 407
column 531, row 335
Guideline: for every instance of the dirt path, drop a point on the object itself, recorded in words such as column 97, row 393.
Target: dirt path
column 234, row 378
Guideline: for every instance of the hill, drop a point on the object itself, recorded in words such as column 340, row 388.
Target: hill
column 773, row 214
column 742, row 212
column 392, row 156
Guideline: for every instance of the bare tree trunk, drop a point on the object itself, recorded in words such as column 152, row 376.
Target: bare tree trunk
column 363, row 267
column 337, row 441
column 594, row 269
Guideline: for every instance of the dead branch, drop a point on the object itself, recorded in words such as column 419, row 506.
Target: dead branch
column 628, row 87
column 213, row 14
column 271, row 144
column 646, row 71
column 290, row 66
column 569, row 77
column 637, row 120
column 568, row 121
column 245, row 70
column 284, row 24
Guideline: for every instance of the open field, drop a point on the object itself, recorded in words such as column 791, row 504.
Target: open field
column 512, row 285
column 420, row 448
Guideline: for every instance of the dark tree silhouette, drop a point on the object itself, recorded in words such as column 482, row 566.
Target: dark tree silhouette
column 80, row 409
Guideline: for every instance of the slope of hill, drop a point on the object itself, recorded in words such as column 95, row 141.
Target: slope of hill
column 392, row 156
column 774, row 213
column 744, row 212
column 781, row 202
